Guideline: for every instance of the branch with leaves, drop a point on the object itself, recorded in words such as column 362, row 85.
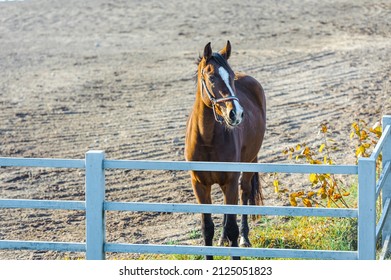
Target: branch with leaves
column 326, row 189
column 367, row 138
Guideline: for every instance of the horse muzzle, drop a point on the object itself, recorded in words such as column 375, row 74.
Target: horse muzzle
column 234, row 116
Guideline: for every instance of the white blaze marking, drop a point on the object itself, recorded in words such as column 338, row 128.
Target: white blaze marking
column 225, row 76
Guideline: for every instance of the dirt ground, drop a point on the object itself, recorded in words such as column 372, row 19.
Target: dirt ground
column 118, row 76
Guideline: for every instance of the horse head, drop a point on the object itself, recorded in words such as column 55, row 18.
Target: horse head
column 216, row 83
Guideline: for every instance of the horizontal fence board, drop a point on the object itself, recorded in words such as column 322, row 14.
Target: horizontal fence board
column 42, row 162
column 230, row 251
column 41, row 245
column 230, row 209
column 42, row 204
column 230, row 166
column 183, row 165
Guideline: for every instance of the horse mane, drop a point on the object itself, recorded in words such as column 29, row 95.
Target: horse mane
column 197, row 62
column 222, row 61
column 218, row 58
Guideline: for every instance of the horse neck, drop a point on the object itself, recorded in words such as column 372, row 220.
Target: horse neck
column 205, row 121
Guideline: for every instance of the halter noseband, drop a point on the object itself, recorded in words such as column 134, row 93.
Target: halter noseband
column 215, row 101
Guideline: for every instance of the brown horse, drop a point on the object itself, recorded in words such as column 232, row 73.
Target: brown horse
column 227, row 124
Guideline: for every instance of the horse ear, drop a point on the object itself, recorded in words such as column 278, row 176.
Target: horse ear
column 226, row 52
column 207, row 51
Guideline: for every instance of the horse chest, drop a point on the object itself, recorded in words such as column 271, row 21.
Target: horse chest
column 221, row 148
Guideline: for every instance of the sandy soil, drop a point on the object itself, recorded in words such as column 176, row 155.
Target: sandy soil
column 118, row 76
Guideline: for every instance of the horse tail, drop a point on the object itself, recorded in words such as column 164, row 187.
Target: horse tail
column 256, row 196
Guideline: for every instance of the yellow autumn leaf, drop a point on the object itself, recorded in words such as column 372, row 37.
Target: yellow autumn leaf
column 376, row 128
column 310, row 194
column 363, row 135
column 315, row 161
column 275, row 184
column 321, row 147
column 313, row 178
column 307, row 202
column 292, row 200
column 346, row 194
column 355, row 127
column 306, row 151
column 322, row 192
column 298, row 147
column 366, row 145
column 337, row 196
column 360, row 151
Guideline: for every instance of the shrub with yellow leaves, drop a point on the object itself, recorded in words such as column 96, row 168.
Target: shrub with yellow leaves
column 367, row 138
column 326, row 189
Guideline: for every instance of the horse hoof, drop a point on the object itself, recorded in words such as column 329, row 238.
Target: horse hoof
column 244, row 242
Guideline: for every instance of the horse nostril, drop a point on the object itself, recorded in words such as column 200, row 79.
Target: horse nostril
column 232, row 115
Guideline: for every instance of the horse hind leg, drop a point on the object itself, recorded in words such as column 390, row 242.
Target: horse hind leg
column 223, row 238
column 256, row 195
column 250, row 193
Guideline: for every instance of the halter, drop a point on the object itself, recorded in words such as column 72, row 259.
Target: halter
column 215, row 101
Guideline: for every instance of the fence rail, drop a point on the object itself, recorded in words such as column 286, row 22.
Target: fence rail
column 95, row 205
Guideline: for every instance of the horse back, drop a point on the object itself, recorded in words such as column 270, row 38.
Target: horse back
column 252, row 97
column 251, row 92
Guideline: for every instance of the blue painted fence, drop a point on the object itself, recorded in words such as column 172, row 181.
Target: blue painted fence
column 95, row 164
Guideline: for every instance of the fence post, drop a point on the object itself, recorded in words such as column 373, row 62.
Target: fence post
column 366, row 209
column 386, row 191
column 95, row 195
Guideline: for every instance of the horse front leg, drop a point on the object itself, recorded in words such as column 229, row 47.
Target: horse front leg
column 230, row 228
column 203, row 196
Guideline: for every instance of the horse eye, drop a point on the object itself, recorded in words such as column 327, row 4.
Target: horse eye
column 211, row 79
